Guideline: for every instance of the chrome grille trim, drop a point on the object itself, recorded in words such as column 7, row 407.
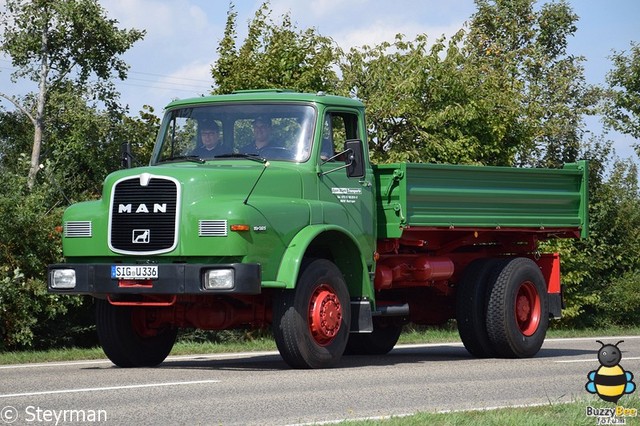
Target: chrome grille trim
column 144, row 211
column 78, row 229
column 212, row 228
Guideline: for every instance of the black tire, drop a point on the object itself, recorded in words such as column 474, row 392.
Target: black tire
column 385, row 335
column 320, row 292
column 471, row 306
column 123, row 342
column 518, row 309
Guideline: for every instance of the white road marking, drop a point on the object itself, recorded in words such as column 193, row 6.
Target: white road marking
column 202, row 357
column 568, row 361
column 53, row 364
column 593, row 339
column 108, row 388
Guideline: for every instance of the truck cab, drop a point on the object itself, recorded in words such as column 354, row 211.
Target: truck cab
column 211, row 238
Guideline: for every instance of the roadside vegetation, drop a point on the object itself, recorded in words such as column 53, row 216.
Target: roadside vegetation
column 507, row 94
column 238, row 341
column 552, row 414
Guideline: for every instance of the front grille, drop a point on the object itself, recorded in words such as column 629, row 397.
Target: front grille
column 143, row 215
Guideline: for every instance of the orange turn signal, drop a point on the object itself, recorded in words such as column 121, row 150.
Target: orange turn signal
column 239, row 228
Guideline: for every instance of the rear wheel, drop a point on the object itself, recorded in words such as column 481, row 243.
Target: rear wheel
column 127, row 340
column 311, row 322
column 518, row 309
column 471, row 306
column 385, row 335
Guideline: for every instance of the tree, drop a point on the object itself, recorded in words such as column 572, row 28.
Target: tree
column 428, row 104
column 523, row 54
column 623, row 104
column 53, row 41
column 83, row 147
column 28, row 242
column 600, row 274
column 503, row 91
column 274, row 56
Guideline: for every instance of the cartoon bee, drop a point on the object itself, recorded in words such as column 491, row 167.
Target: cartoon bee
column 610, row 381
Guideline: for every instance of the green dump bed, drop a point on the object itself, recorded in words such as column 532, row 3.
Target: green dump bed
column 436, row 195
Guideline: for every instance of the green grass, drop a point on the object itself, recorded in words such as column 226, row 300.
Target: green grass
column 180, row 348
column 573, row 413
column 262, row 342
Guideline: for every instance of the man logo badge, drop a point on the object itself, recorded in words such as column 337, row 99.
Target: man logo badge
column 141, row 236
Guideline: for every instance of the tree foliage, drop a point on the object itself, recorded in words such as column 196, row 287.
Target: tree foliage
column 273, row 56
column 623, row 107
column 28, row 242
column 504, row 91
column 424, row 104
column 84, row 148
column 596, row 271
column 51, row 42
column 520, row 54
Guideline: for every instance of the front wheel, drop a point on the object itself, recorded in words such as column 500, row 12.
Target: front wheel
column 311, row 322
column 126, row 339
column 518, row 309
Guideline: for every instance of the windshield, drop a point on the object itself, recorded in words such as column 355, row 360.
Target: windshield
column 264, row 131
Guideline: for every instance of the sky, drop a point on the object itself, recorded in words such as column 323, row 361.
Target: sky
column 175, row 57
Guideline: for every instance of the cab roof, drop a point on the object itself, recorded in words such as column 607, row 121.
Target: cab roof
column 268, row 95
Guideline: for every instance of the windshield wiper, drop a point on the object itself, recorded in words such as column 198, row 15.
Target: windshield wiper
column 254, row 157
column 192, row 158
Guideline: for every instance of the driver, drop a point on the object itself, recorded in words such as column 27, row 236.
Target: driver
column 261, row 136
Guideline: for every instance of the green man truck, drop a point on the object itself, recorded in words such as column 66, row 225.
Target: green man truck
column 299, row 232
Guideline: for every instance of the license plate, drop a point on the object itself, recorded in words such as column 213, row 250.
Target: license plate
column 134, row 272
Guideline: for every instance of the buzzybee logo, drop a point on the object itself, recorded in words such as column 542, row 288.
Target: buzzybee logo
column 610, row 381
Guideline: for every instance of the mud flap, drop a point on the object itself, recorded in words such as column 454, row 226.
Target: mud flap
column 361, row 319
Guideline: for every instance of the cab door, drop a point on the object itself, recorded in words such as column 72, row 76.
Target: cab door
column 348, row 201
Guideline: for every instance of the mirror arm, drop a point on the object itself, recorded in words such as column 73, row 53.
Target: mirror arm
column 350, row 158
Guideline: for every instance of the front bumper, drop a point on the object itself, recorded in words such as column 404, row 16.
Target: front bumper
column 183, row 278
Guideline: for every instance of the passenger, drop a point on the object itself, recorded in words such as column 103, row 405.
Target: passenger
column 211, row 144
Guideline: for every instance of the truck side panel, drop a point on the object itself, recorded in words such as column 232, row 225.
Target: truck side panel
column 434, row 195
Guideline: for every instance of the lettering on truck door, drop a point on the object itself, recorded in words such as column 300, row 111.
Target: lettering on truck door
column 352, row 198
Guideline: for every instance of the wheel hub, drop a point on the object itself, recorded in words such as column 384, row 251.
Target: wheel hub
column 523, row 308
column 528, row 308
column 325, row 315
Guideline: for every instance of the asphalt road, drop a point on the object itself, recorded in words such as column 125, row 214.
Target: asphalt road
column 259, row 388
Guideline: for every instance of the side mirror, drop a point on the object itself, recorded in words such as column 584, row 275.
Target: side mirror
column 125, row 155
column 355, row 158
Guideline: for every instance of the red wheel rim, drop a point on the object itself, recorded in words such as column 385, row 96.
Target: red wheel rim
column 325, row 314
column 528, row 308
